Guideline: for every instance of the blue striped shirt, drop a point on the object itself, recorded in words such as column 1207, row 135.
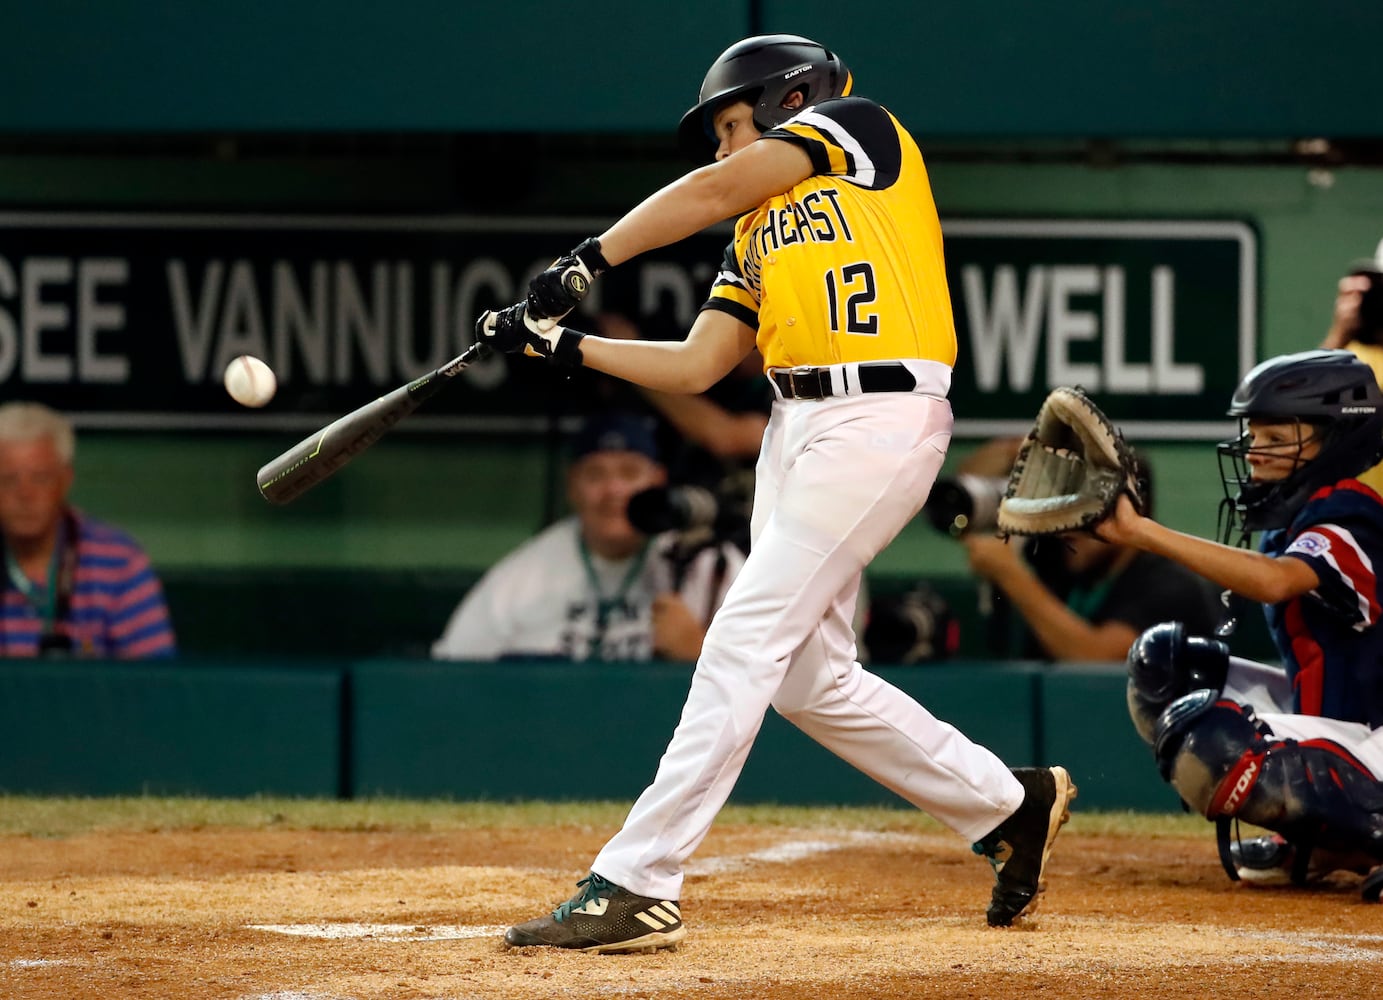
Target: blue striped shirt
column 117, row 609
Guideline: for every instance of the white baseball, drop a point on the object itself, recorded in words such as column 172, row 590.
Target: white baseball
column 250, row 381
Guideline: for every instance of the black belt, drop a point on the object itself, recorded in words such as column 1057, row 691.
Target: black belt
column 815, row 383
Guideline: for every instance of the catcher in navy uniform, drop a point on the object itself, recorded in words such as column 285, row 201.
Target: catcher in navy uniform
column 1295, row 748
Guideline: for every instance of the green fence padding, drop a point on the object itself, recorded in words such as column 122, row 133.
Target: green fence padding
column 1086, row 727
column 505, row 731
column 177, row 729
column 519, row 730
column 510, row 730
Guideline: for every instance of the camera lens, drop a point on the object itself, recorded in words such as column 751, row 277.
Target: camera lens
column 911, row 628
column 966, row 503
column 672, row 508
column 1371, row 310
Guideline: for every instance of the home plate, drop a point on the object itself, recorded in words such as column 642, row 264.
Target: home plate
column 382, row 932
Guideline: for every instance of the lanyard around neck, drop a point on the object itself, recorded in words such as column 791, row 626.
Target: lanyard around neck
column 50, row 599
column 604, row 605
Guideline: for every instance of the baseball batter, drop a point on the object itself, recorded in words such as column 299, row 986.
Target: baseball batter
column 836, row 272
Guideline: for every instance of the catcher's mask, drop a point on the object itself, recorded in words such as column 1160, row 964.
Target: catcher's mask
column 1335, row 399
column 764, row 70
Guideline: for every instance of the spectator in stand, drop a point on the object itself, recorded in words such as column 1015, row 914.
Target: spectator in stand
column 592, row 586
column 74, row 586
column 1356, row 325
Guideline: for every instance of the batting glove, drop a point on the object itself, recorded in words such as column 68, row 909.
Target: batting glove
column 559, row 289
column 513, row 331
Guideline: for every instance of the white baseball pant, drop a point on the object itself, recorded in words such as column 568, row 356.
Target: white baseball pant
column 1265, row 687
column 837, row 479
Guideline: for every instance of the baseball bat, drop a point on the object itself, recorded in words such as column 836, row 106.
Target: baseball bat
column 321, row 455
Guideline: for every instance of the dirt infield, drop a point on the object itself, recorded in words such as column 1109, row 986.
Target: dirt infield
column 773, row 913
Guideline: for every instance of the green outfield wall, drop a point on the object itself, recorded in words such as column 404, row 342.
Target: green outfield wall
column 1007, row 67
column 502, row 731
column 129, row 729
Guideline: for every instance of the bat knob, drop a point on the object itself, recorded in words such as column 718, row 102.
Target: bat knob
column 576, row 283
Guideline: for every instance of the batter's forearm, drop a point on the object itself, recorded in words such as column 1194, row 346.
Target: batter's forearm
column 661, row 365
column 715, row 345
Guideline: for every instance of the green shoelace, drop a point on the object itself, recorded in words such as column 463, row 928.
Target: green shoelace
column 592, row 887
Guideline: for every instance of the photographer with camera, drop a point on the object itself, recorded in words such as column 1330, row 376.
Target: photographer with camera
column 715, row 435
column 594, row 586
column 714, row 444
column 1079, row 598
column 1357, row 326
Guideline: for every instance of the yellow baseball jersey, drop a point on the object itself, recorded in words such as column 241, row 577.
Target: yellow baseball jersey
column 848, row 265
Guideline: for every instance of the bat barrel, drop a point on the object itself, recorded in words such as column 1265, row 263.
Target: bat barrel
column 315, row 458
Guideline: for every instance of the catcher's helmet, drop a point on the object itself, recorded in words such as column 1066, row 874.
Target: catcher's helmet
column 1165, row 663
column 1334, row 392
column 764, row 70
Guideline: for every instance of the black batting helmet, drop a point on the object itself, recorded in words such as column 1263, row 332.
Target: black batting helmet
column 1334, row 392
column 764, row 70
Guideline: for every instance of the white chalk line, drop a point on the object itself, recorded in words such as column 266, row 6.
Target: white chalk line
column 40, row 963
column 383, row 932
column 1325, row 948
column 792, row 850
column 1313, row 949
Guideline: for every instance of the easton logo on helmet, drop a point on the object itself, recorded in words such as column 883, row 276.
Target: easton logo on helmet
column 764, row 70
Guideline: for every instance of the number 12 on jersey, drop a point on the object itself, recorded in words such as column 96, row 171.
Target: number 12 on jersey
column 855, row 286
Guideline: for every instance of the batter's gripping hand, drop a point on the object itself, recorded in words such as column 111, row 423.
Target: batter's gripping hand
column 559, row 289
column 513, row 331
column 1070, row 471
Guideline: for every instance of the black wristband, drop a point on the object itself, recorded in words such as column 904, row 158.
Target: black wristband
column 588, row 253
column 567, row 352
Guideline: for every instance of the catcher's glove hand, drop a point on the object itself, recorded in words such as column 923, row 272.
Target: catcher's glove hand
column 1070, row 471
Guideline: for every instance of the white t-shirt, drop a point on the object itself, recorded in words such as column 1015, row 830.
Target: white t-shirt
column 541, row 599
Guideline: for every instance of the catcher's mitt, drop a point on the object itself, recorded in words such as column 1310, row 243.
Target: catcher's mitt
column 1070, row 471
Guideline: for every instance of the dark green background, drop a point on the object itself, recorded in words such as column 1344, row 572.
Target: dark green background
column 952, row 68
